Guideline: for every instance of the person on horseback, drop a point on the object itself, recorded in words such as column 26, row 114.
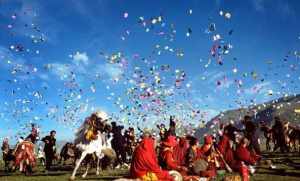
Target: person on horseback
column 96, row 122
column 91, row 133
column 34, row 135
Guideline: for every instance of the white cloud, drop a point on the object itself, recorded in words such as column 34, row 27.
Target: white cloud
column 81, row 57
column 111, row 70
column 213, row 77
column 60, row 70
column 259, row 88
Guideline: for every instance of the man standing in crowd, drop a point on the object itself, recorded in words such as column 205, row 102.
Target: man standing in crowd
column 251, row 134
column 278, row 134
column 49, row 148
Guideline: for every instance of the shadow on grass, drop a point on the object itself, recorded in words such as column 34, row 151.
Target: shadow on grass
column 282, row 173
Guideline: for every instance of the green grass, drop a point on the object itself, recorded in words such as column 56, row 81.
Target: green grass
column 40, row 175
column 288, row 169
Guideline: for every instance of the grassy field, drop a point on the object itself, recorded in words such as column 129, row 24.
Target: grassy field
column 288, row 169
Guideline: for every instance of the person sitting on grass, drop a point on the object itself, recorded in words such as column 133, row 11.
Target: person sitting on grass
column 144, row 163
column 166, row 156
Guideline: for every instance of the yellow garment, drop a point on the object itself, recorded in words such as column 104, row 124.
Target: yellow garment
column 89, row 135
column 150, row 176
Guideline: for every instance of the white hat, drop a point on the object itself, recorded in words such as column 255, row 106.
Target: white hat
column 101, row 114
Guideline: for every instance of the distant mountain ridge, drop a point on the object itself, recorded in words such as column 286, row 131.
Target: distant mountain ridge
column 283, row 107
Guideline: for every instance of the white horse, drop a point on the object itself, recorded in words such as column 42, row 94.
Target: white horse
column 95, row 146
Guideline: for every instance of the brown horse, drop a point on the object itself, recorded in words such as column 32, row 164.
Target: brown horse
column 24, row 156
column 294, row 138
column 267, row 130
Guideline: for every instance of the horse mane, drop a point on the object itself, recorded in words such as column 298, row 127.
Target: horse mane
column 80, row 133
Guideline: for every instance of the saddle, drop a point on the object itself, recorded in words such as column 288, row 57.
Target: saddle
column 90, row 135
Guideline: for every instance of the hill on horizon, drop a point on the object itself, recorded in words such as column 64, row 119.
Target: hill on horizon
column 284, row 107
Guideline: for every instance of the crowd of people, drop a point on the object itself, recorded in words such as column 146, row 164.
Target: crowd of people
column 24, row 151
column 151, row 157
column 232, row 149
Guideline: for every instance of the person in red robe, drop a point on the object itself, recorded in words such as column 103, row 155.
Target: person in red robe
column 225, row 149
column 243, row 154
column 166, row 156
column 207, row 153
column 180, row 151
column 243, row 159
column 144, row 162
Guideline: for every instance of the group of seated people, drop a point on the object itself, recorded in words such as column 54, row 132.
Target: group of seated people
column 188, row 158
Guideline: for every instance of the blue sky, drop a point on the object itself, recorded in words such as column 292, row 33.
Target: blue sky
column 62, row 60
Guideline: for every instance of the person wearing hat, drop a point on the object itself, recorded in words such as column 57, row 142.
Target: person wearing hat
column 208, row 153
column 166, row 156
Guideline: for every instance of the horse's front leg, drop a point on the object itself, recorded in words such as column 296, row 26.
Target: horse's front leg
column 98, row 165
column 83, row 155
column 86, row 171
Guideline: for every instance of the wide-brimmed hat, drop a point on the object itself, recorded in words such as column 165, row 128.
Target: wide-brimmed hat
column 170, row 141
column 147, row 131
column 101, row 114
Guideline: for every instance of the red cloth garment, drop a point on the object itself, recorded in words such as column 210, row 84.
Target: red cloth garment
column 24, row 151
column 180, row 150
column 225, row 150
column 244, row 171
column 167, row 159
column 208, row 139
column 205, row 152
column 223, row 144
column 144, row 160
column 170, row 141
column 243, row 154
